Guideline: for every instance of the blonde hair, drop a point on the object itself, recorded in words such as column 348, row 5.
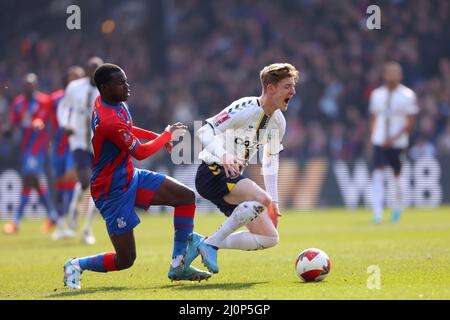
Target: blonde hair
column 276, row 72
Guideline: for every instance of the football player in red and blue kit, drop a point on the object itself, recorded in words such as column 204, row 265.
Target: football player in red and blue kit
column 62, row 158
column 30, row 111
column 117, row 187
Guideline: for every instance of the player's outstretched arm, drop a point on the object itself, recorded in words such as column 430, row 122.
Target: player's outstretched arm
column 122, row 136
column 145, row 150
column 172, row 132
column 144, row 134
column 150, row 135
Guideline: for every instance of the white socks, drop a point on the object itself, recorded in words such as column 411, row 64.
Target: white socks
column 72, row 214
column 243, row 214
column 378, row 193
column 91, row 214
column 245, row 240
column 224, row 237
column 398, row 197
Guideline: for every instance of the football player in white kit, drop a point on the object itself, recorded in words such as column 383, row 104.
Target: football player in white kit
column 231, row 139
column 393, row 108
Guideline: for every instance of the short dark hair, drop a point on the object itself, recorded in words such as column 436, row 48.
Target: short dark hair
column 104, row 73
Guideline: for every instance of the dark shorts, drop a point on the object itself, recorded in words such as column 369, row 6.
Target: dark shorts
column 119, row 212
column 83, row 159
column 388, row 157
column 212, row 184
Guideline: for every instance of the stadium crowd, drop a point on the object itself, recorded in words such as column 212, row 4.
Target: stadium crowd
column 215, row 49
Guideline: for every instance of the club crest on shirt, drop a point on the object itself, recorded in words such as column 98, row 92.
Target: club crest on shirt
column 221, row 118
column 121, row 223
column 125, row 136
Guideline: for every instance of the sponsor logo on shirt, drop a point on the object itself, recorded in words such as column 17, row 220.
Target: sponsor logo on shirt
column 221, row 118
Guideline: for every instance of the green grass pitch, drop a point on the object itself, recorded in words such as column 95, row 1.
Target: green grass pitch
column 413, row 257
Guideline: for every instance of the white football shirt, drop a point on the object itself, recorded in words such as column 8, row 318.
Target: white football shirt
column 243, row 128
column 76, row 109
column 391, row 110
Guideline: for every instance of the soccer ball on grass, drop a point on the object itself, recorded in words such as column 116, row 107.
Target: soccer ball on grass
column 312, row 265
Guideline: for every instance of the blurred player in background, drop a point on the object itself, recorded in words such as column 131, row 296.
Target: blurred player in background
column 393, row 108
column 117, row 187
column 75, row 117
column 62, row 159
column 31, row 112
column 231, row 139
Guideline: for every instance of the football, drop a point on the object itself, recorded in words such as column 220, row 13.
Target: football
column 312, row 265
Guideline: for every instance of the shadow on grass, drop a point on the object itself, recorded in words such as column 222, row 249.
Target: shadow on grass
column 209, row 286
column 79, row 293
column 310, row 283
column 68, row 293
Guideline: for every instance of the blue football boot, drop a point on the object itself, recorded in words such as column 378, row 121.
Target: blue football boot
column 209, row 256
column 376, row 220
column 190, row 273
column 396, row 215
column 192, row 250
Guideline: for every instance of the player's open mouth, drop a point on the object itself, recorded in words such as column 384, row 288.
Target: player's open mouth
column 286, row 101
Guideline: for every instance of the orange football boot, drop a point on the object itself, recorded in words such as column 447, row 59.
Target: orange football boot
column 10, row 228
column 47, row 226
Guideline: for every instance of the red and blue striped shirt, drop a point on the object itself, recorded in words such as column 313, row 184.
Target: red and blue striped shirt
column 24, row 112
column 114, row 141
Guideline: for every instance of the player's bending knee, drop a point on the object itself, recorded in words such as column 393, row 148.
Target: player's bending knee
column 190, row 196
column 186, row 197
column 125, row 262
column 248, row 211
column 267, row 241
column 265, row 200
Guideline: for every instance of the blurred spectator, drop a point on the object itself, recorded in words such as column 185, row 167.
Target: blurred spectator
column 422, row 147
column 443, row 144
column 294, row 139
column 316, row 140
column 337, row 142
